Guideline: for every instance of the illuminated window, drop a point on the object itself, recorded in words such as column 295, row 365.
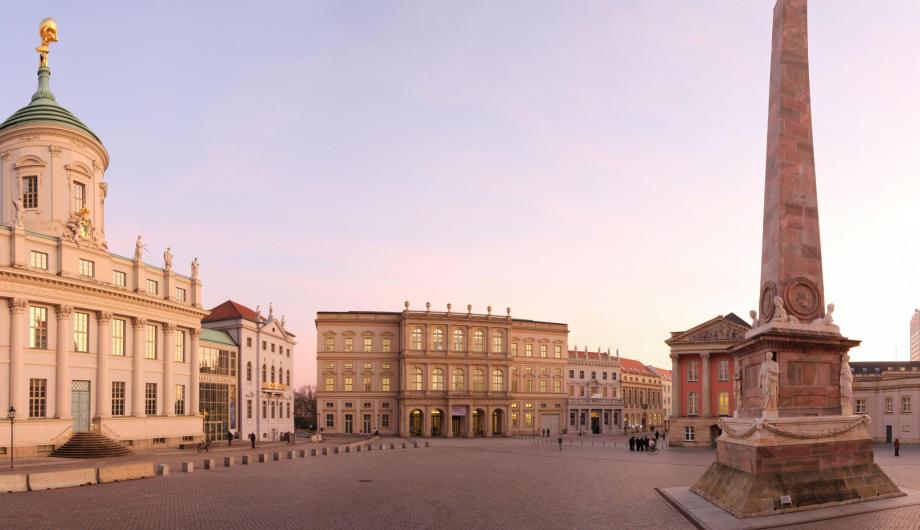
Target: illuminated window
column 543, row 385
column 366, row 383
column 150, row 342
column 80, row 332
column 558, row 351
column 498, row 380
column 385, row 383
column 437, row 379
column 528, row 350
column 417, row 338
column 329, row 385
column 458, row 340
column 38, row 327
column 118, row 336
column 368, row 344
column 457, row 380
column 514, row 349
column 180, row 348
column 498, row 342
column 39, row 260
column 478, row 341
column 723, row 404
column 349, row 344
column 437, row 337
column 479, row 384
column 543, row 349
column 330, row 344
column 387, row 344
column 348, row 383
column 417, row 379
column 180, row 400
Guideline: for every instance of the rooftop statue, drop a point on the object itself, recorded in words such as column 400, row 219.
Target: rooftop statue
column 47, row 30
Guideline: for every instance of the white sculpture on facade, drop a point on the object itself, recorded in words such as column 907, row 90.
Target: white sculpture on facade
column 139, row 248
column 769, row 383
column 168, row 258
column 195, row 265
column 846, row 386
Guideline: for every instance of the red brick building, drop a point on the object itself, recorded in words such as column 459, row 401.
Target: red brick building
column 702, row 379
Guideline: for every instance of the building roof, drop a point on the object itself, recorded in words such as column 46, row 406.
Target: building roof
column 221, row 337
column 632, row 366
column 231, row 310
column 44, row 108
column 662, row 373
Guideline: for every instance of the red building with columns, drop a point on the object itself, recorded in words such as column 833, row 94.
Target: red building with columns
column 702, row 379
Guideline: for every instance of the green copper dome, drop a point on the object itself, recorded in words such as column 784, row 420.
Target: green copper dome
column 45, row 109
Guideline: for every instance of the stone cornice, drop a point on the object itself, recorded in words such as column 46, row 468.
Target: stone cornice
column 22, row 284
column 42, row 129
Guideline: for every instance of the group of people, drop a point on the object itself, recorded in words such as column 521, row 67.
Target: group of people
column 644, row 442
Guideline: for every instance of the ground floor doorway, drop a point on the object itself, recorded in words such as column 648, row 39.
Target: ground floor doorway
column 415, row 423
column 595, row 422
column 79, row 405
column 349, row 424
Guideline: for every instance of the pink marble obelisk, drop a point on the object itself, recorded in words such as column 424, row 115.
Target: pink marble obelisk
column 791, row 257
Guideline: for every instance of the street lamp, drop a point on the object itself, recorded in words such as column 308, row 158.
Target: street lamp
column 11, row 414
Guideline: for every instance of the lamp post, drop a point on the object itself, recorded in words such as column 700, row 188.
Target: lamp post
column 11, row 414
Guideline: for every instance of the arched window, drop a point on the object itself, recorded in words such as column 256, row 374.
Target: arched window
column 417, row 338
column 417, row 378
column 249, row 371
column 288, row 383
column 723, row 404
column 458, row 340
column 479, row 383
column 437, row 379
column 264, row 372
column 478, row 340
column 457, row 382
column 498, row 342
column 273, row 374
column 498, row 380
column 544, row 385
column 692, row 405
column 438, row 339
column 557, row 386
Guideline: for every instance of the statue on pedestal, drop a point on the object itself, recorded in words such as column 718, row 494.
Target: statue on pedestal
column 736, row 386
column 769, row 383
column 168, row 258
column 846, row 386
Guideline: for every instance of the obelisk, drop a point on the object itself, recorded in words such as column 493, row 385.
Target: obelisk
column 791, row 257
column 793, row 442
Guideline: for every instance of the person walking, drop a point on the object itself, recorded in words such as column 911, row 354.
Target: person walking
column 229, row 439
column 632, row 443
column 656, row 435
column 897, row 447
column 560, row 443
column 252, row 439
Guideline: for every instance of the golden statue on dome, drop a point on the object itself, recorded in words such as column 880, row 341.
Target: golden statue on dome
column 47, row 30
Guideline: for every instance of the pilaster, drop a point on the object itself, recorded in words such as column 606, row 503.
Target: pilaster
column 675, row 385
column 137, row 365
column 195, row 373
column 62, row 374
column 169, row 351
column 104, row 341
column 706, row 397
column 17, row 345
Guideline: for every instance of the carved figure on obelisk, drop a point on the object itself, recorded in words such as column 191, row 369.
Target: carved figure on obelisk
column 846, row 386
column 755, row 322
column 829, row 316
column 779, row 312
column 769, row 382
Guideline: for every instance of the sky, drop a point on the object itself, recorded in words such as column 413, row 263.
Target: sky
column 594, row 163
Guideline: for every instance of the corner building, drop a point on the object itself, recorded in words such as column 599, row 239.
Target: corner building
column 430, row 373
column 89, row 340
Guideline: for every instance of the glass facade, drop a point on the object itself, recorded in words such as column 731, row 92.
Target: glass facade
column 214, row 398
column 217, row 362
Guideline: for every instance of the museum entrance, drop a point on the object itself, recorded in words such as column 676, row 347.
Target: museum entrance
column 595, row 422
column 436, row 418
column 478, row 427
column 349, row 424
column 415, row 423
column 79, row 405
column 498, row 421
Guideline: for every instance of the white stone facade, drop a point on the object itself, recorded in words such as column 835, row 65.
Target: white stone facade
column 595, row 404
column 889, row 392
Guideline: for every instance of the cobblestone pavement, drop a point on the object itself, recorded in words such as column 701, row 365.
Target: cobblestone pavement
column 490, row 483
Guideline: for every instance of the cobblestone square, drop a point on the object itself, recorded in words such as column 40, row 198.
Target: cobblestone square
column 497, row 483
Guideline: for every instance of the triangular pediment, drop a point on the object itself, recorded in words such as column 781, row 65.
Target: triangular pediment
column 720, row 329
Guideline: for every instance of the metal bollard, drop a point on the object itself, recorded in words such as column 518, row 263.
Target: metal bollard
column 162, row 470
column 263, row 458
column 209, row 463
column 188, row 467
column 244, row 460
column 276, row 455
column 228, row 461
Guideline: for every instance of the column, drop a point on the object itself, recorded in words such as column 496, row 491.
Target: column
column 426, row 422
column 62, row 377
column 17, row 336
column 675, row 385
column 137, row 368
column 449, row 420
column 169, row 351
column 488, row 422
column 104, row 350
column 195, row 373
column 706, row 398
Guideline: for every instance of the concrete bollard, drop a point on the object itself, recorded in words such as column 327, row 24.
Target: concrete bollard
column 302, row 453
column 290, row 455
column 404, row 445
column 335, row 450
column 244, row 460
column 415, row 445
column 347, row 449
column 188, row 467
column 263, row 458
column 276, row 455
column 381, row 447
column 209, row 463
column 392, row 446
column 427, row 444
column 312, row 452
column 162, row 470
column 228, row 461
column 325, row 451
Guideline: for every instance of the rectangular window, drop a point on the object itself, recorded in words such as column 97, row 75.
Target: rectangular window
column 557, row 386
column 180, row 400
column 38, row 327
column 180, row 294
column 368, row 344
column 80, row 332
column 558, row 351
column 385, row 383
column 273, row 347
column 248, row 409
column 348, row 384
column 39, row 260
column 605, row 376
column 118, row 398
column 330, row 420
column 180, row 346
column 693, row 371
column 38, row 391
column 30, row 191
column 528, row 350
column 581, row 374
column 366, row 383
column 514, row 349
column 385, row 366
column 119, row 278
column 87, row 268
column 150, row 399
column 689, row 435
column 905, row 405
column 330, row 344
column 79, row 196
column 594, row 376
column 528, row 385
column 387, row 344
column 249, row 342
column 153, row 287
column 329, row 385
column 385, row 421
column 150, row 342
column 265, row 409
column 723, row 370
column 543, row 385
column 349, row 344
column 723, row 404
column 543, row 349
column 349, row 365
column 118, row 336
column 860, row 406
column 287, row 409
column 889, row 405
column 692, row 405
column 528, row 419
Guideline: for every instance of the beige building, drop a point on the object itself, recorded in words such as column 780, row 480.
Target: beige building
column 889, row 392
column 434, row 373
column 666, row 393
column 89, row 340
column 643, row 404
column 595, row 402
column 915, row 336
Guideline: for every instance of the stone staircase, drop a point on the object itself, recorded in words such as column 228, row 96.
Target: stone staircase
column 90, row 445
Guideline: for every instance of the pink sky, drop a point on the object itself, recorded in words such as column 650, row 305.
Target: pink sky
column 597, row 163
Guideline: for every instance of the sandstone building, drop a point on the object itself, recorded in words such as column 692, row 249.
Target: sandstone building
column 889, row 392
column 643, row 396
column 595, row 403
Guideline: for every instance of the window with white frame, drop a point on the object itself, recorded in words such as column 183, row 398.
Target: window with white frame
column 860, row 406
column 437, row 379
column 87, row 268
column 119, row 278
column 118, row 336
column 118, row 398
column 479, row 383
column 723, row 370
column 456, row 383
column 39, row 260
column 38, row 327
column 889, row 405
column 498, row 380
column 387, row 344
column 79, row 196
column 689, row 434
column 417, row 379
column 498, row 342
column 557, row 351
column 330, row 344
column 180, row 294
column 905, row 404
column 693, row 371
column 417, row 338
column 150, row 399
column 80, row 332
column 478, row 341
column 180, row 348
column 692, row 404
column 180, row 400
column 153, row 287
column 38, row 393
column 30, row 191
column 528, row 350
column 368, row 344
column 349, row 344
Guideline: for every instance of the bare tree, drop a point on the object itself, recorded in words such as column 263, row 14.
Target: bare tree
column 305, row 405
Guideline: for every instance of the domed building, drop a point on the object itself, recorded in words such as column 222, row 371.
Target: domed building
column 90, row 341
